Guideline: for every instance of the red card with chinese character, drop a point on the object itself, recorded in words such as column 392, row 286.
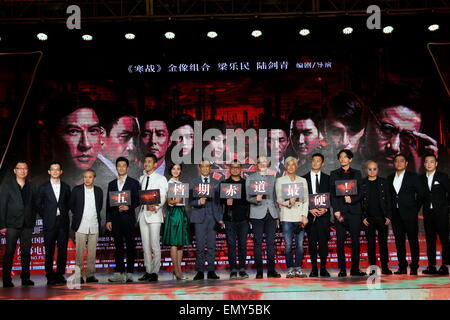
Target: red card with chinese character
column 178, row 190
column 202, row 190
column 319, row 200
column 346, row 188
column 119, row 198
column 292, row 190
column 259, row 187
column 150, row 197
column 230, row 191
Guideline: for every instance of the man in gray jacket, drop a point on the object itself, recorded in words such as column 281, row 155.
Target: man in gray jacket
column 264, row 217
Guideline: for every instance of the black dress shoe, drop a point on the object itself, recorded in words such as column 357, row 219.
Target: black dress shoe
column 212, row 275
column 91, row 279
column 342, row 273
column 386, row 271
column 357, row 273
column 259, row 276
column 145, row 277
column 51, row 282
column 82, row 280
column 273, row 274
column 324, row 273
column 413, row 272
column 430, row 270
column 153, row 277
column 60, row 280
column 199, row 276
column 8, row 284
column 443, row 271
column 401, row 271
column 27, row 283
column 314, row 273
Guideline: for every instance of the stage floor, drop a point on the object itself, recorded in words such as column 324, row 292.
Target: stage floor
column 404, row 287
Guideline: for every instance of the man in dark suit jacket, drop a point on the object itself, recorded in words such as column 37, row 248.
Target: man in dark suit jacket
column 407, row 194
column 53, row 205
column 436, row 186
column 18, row 199
column 206, row 213
column 318, row 227
column 347, row 211
column 121, row 221
column 86, row 202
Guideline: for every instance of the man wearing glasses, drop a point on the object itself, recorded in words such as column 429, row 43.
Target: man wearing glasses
column 264, row 218
column 395, row 120
column 236, row 212
column 18, row 199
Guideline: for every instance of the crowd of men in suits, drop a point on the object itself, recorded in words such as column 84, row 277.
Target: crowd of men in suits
column 377, row 203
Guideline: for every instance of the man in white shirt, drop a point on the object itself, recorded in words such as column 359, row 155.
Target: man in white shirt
column 86, row 203
column 151, row 217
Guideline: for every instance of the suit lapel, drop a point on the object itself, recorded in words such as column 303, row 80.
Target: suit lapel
column 405, row 178
column 50, row 190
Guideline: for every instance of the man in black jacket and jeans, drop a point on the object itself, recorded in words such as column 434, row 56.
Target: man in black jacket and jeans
column 236, row 212
column 376, row 208
column 347, row 211
column 18, row 199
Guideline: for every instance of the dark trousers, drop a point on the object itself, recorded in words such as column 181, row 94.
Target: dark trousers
column 57, row 237
column 267, row 225
column 352, row 223
column 237, row 231
column 12, row 235
column 123, row 229
column 406, row 228
column 377, row 225
column 319, row 234
column 205, row 236
column 436, row 224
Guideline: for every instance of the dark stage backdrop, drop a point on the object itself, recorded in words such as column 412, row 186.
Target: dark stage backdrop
column 376, row 103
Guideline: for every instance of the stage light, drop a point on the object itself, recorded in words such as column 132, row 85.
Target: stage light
column 304, row 32
column 256, row 33
column 87, row 37
column 347, row 30
column 42, row 36
column 169, row 35
column 433, row 27
column 130, row 36
column 388, row 29
column 212, row 34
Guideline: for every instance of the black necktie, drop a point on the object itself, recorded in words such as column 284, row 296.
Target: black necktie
column 205, row 180
column 317, row 183
column 146, row 184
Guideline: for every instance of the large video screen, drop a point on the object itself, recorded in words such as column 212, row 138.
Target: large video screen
column 220, row 109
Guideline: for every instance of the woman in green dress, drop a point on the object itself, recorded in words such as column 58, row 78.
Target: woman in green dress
column 176, row 228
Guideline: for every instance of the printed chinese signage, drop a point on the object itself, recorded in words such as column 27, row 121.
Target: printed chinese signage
column 150, row 196
column 230, row 191
column 346, row 188
column 119, row 198
column 292, row 190
column 202, row 190
column 178, row 190
column 319, row 200
column 259, row 187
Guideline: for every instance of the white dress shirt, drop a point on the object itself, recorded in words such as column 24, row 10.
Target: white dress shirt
column 430, row 184
column 119, row 184
column 398, row 179
column 89, row 222
column 56, row 189
column 313, row 181
column 156, row 181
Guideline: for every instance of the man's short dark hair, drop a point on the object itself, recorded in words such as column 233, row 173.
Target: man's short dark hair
column 318, row 155
column 152, row 115
column 304, row 112
column 180, row 121
column 430, row 155
column 276, row 123
column 401, row 155
column 22, row 161
column 348, row 108
column 110, row 112
column 53, row 163
column 91, row 170
column 348, row 152
column 151, row 155
column 398, row 94
column 122, row 159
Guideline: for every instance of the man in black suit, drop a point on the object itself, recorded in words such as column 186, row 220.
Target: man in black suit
column 347, row 211
column 18, row 209
column 86, row 202
column 436, row 186
column 319, row 227
column 406, row 194
column 53, row 205
column 121, row 221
